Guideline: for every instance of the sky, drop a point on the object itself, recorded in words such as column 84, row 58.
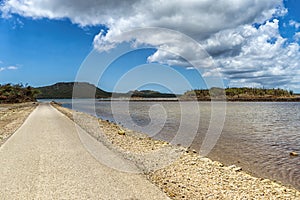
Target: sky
column 244, row 43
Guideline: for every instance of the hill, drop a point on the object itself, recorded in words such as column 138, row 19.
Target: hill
column 64, row 90
column 149, row 94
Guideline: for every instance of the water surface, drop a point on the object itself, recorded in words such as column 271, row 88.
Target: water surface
column 258, row 136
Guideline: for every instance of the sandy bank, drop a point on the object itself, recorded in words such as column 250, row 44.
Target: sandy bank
column 12, row 117
column 180, row 173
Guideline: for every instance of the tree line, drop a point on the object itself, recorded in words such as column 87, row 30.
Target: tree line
column 17, row 93
column 237, row 93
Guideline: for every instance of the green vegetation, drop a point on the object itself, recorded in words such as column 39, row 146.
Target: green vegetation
column 65, row 91
column 17, row 93
column 232, row 92
column 240, row 94
column 204, row 94
column 149, row 94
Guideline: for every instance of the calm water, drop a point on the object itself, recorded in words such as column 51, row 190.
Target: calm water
column 256, row 136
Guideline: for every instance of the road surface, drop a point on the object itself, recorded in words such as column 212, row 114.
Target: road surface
column 45, row 159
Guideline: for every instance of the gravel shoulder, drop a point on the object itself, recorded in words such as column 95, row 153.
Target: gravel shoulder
column 12, row 116
column 179, row 172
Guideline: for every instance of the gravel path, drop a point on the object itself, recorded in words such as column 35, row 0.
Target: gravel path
column 45, row 159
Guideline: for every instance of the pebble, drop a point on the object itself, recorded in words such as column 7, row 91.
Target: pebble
column 205, row 160
column 121, row 132
column 294, row 154
column 237, row 169
column 265, row 181
column 218, row 164
column 231, row 167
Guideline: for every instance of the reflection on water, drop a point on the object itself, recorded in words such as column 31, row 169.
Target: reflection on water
column 256, row 136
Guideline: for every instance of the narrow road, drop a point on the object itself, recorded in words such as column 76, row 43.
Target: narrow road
column 45, row 159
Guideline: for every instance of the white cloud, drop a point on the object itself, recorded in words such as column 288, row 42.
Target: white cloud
column 265, row 58
column 12, row 68
column 88, row 12
column 196, row 18
column 294, row 24
column 244, row 54
column 297, row 36
column 8, row 68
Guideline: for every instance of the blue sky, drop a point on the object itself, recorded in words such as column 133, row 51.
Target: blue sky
column 254, row 44
column 44, row 51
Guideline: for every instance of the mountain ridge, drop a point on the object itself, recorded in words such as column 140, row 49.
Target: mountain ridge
column 65, row 90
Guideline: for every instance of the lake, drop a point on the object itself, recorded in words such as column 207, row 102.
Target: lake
column 257, row 136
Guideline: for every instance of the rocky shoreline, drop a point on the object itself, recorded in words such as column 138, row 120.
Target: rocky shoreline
column 12, row 116
column 179, row 172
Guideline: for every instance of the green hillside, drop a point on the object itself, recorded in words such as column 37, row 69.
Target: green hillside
column 64, row 90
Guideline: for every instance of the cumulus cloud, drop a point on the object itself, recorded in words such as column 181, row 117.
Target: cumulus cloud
column 244, row 54
column 198, row 19
column 88, row 12
column 262, row 57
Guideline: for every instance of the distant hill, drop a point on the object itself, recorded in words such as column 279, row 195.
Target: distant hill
column 149, row 94
column 64, row 90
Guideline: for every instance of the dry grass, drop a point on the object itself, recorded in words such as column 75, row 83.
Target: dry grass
column 12, row 116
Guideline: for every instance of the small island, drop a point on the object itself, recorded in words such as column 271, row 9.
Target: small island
column 240, row 94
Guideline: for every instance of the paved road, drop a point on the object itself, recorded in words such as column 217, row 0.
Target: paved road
column 45, row 159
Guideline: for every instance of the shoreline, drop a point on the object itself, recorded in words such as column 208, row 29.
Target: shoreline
column 290, row 99
column 179, row 172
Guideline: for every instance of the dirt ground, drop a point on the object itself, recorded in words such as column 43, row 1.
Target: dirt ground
column 12, row 116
